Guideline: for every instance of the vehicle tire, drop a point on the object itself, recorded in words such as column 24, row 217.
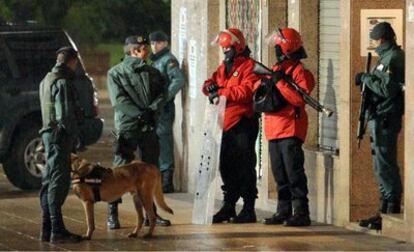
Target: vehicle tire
column 26, row 160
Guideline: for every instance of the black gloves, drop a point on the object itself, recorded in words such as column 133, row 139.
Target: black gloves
column 213, row 88
column 359, row 78
column 147, row 118
column 212, row 97
column 277, row 76
column 212, row 92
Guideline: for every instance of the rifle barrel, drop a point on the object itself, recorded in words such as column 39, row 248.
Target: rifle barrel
column 261, row 69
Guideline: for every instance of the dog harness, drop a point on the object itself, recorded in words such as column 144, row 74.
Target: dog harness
column 94, row 179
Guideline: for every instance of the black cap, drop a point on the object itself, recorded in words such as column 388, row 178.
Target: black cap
column 136, row 40
column 382, row 30
column 69, row 51
column 158, row 36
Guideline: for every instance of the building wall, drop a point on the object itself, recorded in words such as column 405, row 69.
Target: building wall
column 409, row 124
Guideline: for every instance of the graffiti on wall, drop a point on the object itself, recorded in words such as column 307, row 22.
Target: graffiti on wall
column 245, row 15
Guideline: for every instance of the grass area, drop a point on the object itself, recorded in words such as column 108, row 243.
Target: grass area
column 114, row 49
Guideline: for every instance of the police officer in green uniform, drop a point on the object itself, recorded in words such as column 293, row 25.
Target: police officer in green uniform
column 386, row 107
column 61, row 118
column 168, row 65
column 136, row 91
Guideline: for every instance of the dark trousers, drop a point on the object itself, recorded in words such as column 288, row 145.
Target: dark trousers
column 165, row 138
column 56, row 177
column 287, row 160
column 130, row 141
column 384, row 136
column 238, row 161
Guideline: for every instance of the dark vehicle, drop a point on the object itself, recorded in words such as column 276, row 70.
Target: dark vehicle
column 27, row 53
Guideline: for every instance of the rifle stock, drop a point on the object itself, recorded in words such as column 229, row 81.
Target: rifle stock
column 363, row 105
column 261, row 69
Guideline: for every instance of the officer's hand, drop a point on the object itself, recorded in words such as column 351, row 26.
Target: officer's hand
column 213, row 98
column 212, row 88
column 148, row 117
column 358, row 78
column 277, row 76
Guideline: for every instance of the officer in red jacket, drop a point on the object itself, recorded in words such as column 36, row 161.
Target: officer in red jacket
column 286, row 130
column 235, row 80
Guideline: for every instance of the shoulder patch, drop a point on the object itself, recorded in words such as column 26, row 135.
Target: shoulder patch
column 172, row 63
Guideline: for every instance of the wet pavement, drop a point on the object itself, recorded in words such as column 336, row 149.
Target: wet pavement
column 20, row 222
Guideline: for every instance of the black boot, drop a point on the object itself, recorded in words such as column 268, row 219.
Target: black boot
column 167, row 181
column 277, row 219
column 159, row 221
column 298, row 220
column 60, row 234
column 368, row 221
column 46, row 229
column 227, row 211
column 377, row 217
column 376, row 224
column 300, row 216
column 113, row 221
column 247, row 214
column 387, row 207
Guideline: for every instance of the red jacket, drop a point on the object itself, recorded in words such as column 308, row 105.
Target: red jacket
column 237, row 87
column 292, row 120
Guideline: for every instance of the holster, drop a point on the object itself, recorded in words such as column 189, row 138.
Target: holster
column 57, row 135
column 119, row 145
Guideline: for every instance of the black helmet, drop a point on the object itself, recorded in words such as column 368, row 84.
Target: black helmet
column 382, row 30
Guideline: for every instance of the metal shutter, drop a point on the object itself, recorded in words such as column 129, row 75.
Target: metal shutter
column 329, row 43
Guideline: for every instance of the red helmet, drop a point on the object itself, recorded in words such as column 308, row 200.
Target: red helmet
column 231, row 37
column 287, row 38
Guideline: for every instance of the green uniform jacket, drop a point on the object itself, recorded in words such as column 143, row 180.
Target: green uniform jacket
column 133, row 88
column 59, row 101
column 386, row 81
column 168, row 65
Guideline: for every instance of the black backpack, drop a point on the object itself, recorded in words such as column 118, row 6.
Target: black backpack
column 267, row 98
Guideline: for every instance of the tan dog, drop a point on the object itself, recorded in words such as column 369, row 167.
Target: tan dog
column 142, row 180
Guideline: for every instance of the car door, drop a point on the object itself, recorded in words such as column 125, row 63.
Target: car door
column 8, row 74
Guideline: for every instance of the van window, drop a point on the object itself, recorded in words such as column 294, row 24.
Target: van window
column 35, row 53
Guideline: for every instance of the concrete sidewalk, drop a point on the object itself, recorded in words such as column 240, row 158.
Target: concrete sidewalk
column 20, row 222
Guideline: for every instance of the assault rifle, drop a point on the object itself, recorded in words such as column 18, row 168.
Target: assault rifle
column 261, row 69
column 363, row 106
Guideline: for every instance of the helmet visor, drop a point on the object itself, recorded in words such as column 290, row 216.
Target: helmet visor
column 225, row 39
column 275, row 37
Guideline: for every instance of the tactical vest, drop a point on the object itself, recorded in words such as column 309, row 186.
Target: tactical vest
column 47, row 100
